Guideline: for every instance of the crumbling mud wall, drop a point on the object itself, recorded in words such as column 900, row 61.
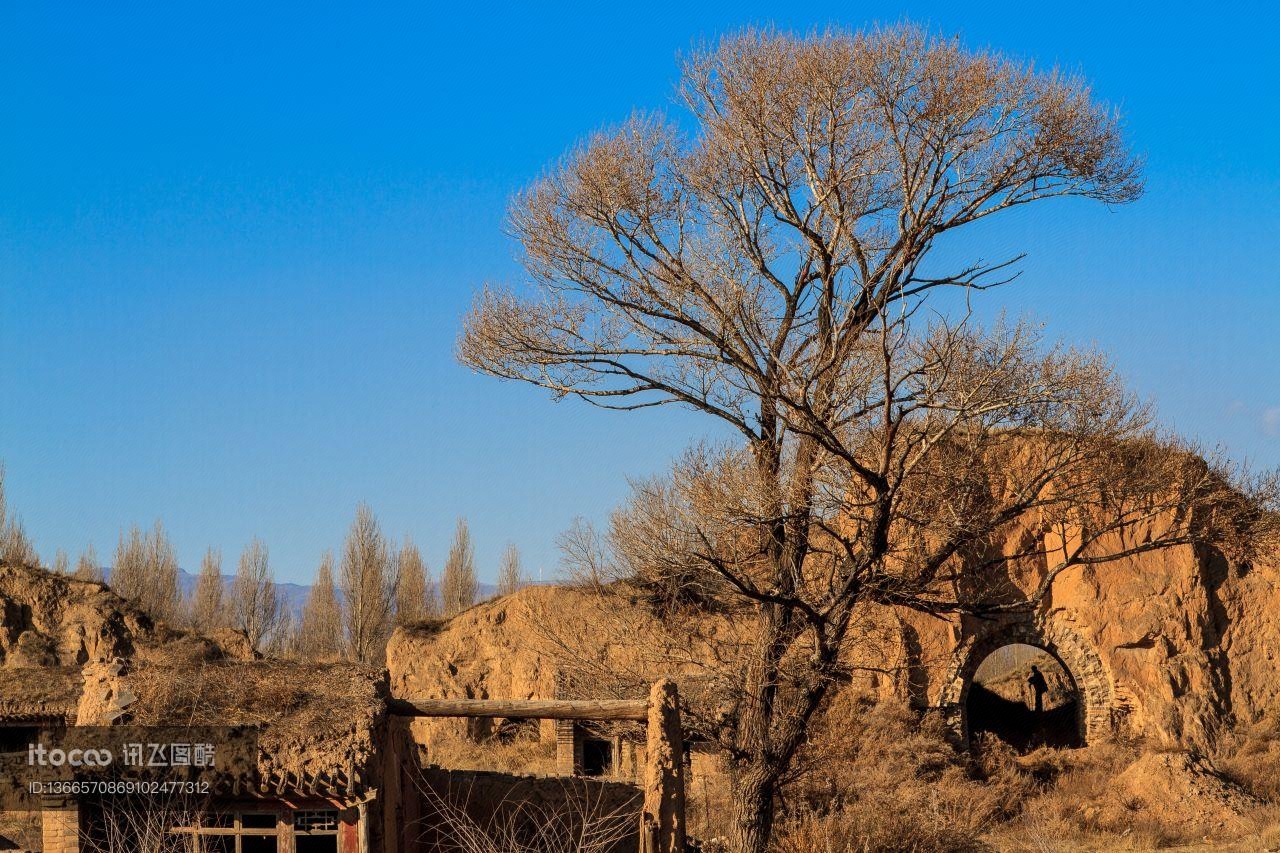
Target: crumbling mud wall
column 51, row 620
column 1171, row 645
column 542, row 643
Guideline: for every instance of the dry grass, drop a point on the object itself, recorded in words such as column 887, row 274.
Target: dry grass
column 1250, row 757
column 524, row 754
column 884, row 751
column 37, row 689
column 20, row 830
column 886, row 779
column 310, row 717
column 864, row 831
column 1077, row 806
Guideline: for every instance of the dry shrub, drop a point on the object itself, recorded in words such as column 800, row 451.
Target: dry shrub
column 881, row 777
column 1250, row 757
column 523, row 754
column 578, row 822
column 857, row 830
column 1268, row 822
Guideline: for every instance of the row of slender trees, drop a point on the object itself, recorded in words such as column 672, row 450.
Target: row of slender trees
column 354, row 603
column 353, row 606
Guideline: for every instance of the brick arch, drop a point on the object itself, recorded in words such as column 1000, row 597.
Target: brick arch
column 1078, row 658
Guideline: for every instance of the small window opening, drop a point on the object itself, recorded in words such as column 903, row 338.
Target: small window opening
column 15, row 739
column 315, row 831
column 597, row 757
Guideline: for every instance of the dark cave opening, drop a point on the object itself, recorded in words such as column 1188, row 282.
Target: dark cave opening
column 1002, row 700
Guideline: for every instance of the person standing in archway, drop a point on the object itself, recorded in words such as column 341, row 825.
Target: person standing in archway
column 1038, row 687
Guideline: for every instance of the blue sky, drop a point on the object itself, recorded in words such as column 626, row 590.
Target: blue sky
column 235, row 243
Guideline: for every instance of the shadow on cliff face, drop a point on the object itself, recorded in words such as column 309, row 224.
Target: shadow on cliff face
column 1021, row 727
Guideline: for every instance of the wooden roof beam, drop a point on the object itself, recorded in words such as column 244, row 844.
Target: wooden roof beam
column 524, row 709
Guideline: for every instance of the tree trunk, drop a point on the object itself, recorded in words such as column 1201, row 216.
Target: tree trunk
column 753, row 790
column 754, row 778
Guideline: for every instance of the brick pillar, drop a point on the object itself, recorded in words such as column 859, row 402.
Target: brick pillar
column 60, row 826
column 568, row 758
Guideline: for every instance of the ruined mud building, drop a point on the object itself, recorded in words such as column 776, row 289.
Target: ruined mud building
column 1170, row 645
column 335, row 770
column 76, row 654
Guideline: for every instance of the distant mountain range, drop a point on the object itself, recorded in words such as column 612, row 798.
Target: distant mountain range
column 294, row 595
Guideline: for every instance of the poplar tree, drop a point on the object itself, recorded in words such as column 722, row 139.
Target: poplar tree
column 368, row 578
column 208, row 605
column 458, row 581
column 88, row 568
column 416, row 595
column 15, row 547
column 320, row 633
column 255, row 601
column 146, row 570
column 509, row 577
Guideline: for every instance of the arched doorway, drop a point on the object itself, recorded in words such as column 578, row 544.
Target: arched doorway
column 1085, row 677
column 1026, row 697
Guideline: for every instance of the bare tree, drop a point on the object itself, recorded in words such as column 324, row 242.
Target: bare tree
column 255, row 602
column 416, row 595
column 510, row 579
column 458, row 581
column 128, row 573
column 207, row 609
column 161, row 595
column 776, row 272
column 15, row 547
column 61, row 562
column 146, row 570
column 88, row 568
column 369, row 579
column 284, row 639
column 584, row 555
column 319, row 635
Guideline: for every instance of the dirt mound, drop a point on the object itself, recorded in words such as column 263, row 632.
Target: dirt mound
column 547, row 642
column 1185, row 790
column 67, row 647
column 48, row 619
